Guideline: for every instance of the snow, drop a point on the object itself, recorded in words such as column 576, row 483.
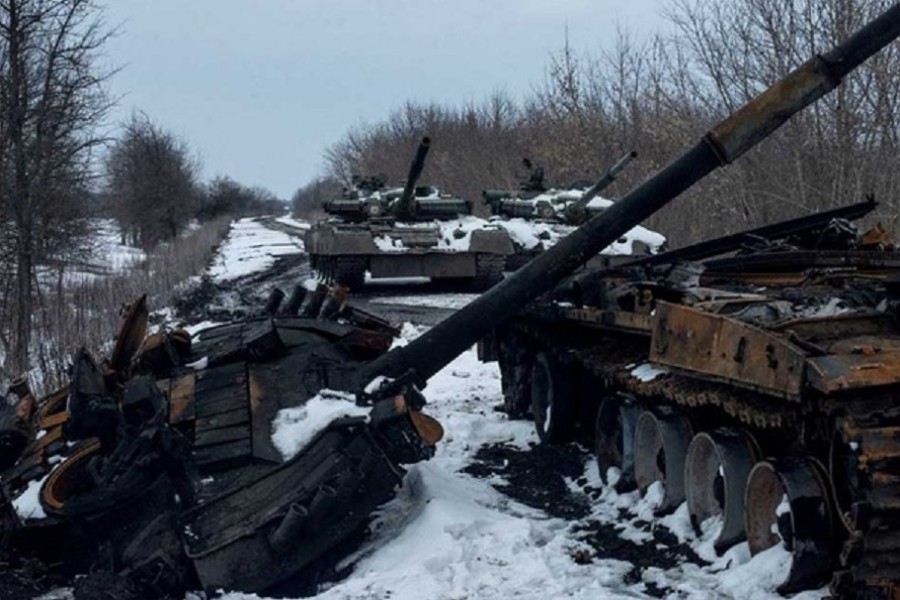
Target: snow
column 385, row 243
column 109, row 252
column 292, row 222
column 293, row 428
column 449, row 535
column 251, row 247
column 452, row 235
column 28, row 504
column 532, row 234
column 647, row 372
column 451, row 301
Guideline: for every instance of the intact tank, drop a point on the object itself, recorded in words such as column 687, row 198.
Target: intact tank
column 162, row 465
column 572, row 206
column 537, row 217
column 409, row 231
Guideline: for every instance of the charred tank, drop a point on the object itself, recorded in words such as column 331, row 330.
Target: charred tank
column 177, row 464
column 409, row 231
column 752, row 386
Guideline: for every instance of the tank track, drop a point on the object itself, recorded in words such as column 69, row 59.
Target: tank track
column 863, row 479
column 488, row 271
column 349, row 270
column 870, row 556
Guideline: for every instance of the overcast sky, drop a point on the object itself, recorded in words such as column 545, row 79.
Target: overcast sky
column 259, row 88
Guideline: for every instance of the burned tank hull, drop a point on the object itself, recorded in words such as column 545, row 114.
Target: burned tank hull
column 169, row 470
column 760, row 389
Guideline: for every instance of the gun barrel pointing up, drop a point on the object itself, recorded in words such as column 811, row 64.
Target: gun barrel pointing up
column 606, row 180
column 406, row 203
column 724, row 143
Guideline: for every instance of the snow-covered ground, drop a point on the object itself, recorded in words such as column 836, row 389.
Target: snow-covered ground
column 452, row 301
column 251, row 247
column 110, row 252
column 292, row 222
column 106, row 255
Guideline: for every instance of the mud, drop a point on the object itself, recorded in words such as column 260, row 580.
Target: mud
column 551, row 478
column 536, row 477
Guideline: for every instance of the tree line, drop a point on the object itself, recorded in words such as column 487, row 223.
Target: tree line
column 657, row 95
column 59, row 168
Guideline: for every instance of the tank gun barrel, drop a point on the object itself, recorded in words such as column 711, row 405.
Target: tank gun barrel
column 723, row 144
column 605, row 181
column 406, row 203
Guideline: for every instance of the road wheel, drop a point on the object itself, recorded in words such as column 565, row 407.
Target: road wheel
column 551, row 399
column 614, row 441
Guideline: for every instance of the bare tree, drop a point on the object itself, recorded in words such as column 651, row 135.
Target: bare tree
column 52, row 101
column 225, row 196
column 152, row 182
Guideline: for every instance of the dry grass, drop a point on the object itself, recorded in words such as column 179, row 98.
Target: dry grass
column 88, row 314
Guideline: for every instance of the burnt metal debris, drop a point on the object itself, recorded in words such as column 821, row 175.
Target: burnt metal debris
column 413, row 231
column 158, row 463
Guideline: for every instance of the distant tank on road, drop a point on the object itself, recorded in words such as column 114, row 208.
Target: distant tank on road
column 413, row 231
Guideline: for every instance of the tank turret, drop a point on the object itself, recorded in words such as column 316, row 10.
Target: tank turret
column 577, row 212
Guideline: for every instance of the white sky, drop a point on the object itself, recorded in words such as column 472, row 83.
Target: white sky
column 259, row 88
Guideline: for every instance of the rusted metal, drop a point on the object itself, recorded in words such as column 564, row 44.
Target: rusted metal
column 787, row 503
column 717, row 466
column 131, row 334
column 773, row 232
column 660, row 449
column 729, row 350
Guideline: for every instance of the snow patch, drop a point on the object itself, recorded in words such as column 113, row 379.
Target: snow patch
column 293, row 428
column 647, row 372
column 28, row 504
column 251, row 247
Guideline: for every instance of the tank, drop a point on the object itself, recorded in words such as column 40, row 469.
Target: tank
column 536, row 217
column 413, row 231
column 572, row 206
column 160, row 463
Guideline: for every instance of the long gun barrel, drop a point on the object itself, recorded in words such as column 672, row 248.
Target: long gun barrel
column 406, row 205
column 605, row 181
column 723, row 144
